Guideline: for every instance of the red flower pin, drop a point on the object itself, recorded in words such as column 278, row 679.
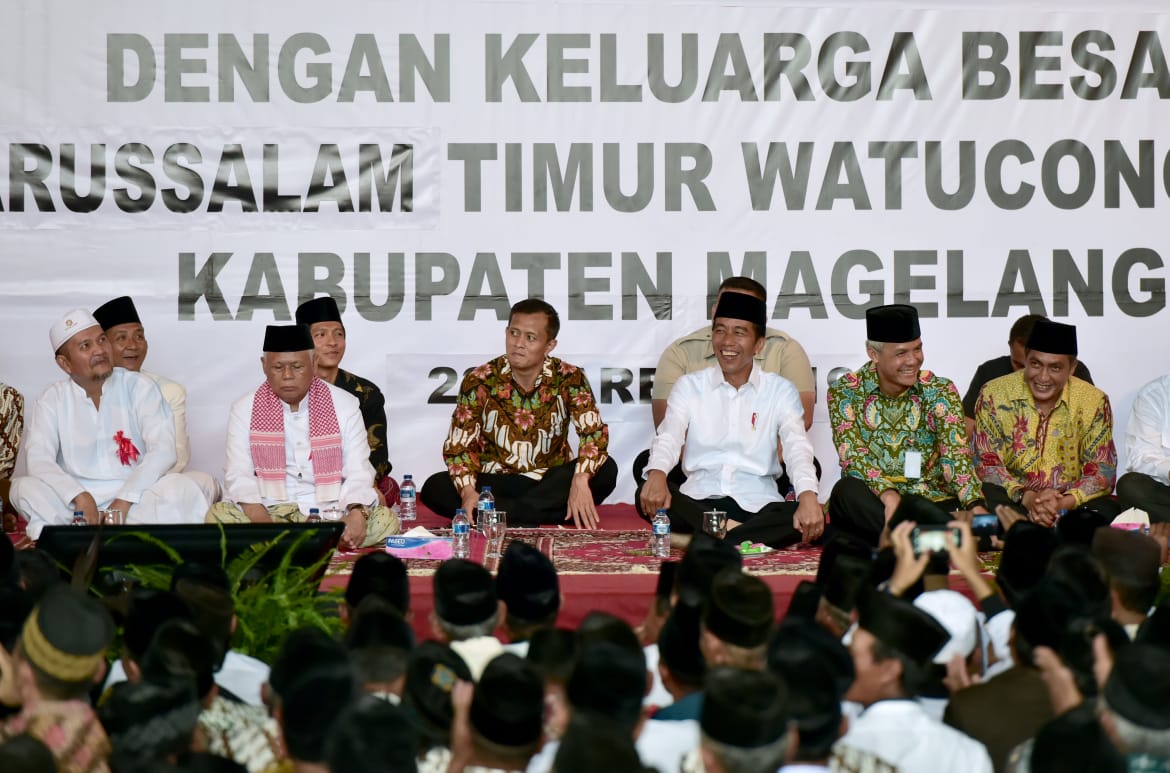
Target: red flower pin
column 127, row 453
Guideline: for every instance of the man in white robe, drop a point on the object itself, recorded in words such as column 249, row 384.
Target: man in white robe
column 128, row 348
column 104, row 438
column 298, row 443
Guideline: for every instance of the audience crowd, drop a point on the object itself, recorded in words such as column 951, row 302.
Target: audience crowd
column 1058, row 662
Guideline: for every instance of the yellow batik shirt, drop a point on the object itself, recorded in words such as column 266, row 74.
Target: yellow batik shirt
column 1070, row 450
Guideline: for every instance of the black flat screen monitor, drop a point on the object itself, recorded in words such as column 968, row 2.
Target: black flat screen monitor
column 193, row 542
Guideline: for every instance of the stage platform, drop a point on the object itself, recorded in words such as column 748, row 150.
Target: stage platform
column 609, row 569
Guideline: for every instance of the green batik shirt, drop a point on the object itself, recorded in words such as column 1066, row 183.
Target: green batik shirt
column 373, row 407
column 498, row 428
column 873, row 432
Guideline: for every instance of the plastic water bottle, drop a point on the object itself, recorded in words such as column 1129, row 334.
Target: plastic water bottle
column 314, row 515
column 460, row 535
column 486, row 508
column 660, row 542
column 407, row 500
column 79, row 519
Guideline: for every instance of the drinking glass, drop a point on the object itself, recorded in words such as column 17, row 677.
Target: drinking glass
column 715, row 523
column 495, row 529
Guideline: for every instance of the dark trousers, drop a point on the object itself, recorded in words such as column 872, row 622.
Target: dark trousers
column 527, row 502
column 772, row 525
column 997, row 495
column 678, row 477
column 856, row 511
column 1136, row 489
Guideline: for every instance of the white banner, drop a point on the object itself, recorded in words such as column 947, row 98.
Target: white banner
column 430, row 164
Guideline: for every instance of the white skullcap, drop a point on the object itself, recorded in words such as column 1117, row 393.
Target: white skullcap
column 958, row 615
column 70, row 325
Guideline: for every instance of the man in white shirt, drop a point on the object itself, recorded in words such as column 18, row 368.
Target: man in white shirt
column 297, row 443
column 1147, row 451
column 466, row 613
column 732, row 418
column 102, row 439
column 892, row 649
column 128, row 348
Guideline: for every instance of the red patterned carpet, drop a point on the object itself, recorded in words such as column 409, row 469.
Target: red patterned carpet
column 610, row 569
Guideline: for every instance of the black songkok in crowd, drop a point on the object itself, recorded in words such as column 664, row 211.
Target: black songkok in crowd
column 1053, row 338
column 527, row 582
column 1128, row 558
column 1139, row 684
column 379, row 574
column 678, row 645
column 810, row 661
column 287, row 338
column 703, row 559
column 740, row 610
column 66, row 635
column 845, row 581
column 1027, row 547
column 119, row 311
column 378, row 623
column 464, row 593
column 322, row 309
column 734, row 305
column 150, row 721
column 896, row 323
column 744, row 709
column 508, row 705
column 901, row 626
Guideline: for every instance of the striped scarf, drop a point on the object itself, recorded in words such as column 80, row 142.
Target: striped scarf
column 267, row 440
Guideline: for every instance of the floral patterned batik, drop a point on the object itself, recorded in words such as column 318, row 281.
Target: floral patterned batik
column 1070, row 450
column 873, row 431
column 498, row 428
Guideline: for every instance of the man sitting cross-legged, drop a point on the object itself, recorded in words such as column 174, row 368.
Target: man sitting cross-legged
column 297, row 443
column 101, row 439
column 510, row 431
column 732, row 418
column 1043, row 437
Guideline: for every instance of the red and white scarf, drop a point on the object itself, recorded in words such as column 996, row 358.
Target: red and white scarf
column 266, row 435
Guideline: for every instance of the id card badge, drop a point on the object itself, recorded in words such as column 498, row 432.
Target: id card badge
column 913, row 467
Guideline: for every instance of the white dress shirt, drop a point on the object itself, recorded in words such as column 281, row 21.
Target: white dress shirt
column 901, row 734
column 1147, row 435
column 70, row 442
column 731, row 437
column 357, row 475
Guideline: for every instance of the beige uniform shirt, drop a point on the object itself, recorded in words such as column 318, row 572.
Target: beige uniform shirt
column 781, row 355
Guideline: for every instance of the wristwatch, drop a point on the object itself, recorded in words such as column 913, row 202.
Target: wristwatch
column 357, row 506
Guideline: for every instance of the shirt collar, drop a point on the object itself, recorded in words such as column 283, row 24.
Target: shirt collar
column 546, row 371
column 1024, row 392
column 754, row 378
column 870, row 383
